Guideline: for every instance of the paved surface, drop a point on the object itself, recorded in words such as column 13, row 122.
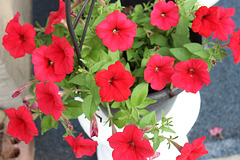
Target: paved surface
column 220, row 105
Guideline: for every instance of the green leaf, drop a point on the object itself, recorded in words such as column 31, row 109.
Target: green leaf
column 139, row 93
column 159, row 40
column 137, row 44
column 114, row 55
column 164, row 51
column 179, row 39
column 73, row 109
column 147, row 101
column 167, row 129
column 96, row 67
column 116, row 105
column 47, row 123
column 147, row 120
column 89, row 107
column 143, row 112
column 197, row 49
column 181, row 54
column 79, row 79
column 140, row 33
column 189, row 4
column 121, row 118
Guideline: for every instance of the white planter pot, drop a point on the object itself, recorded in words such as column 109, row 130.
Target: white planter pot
column 184, row 112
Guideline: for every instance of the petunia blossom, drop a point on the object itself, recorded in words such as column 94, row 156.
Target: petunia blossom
column 130, row 144
column 226, row 24
column 164, row 15
column 117, row 31
column 234, row 45
column 191, row 75
column 81, row 146
column 44, row 68
column 193, row 151
column 215, row 131
column 114, row 83
column 19, row 39
column 159, row 71
column 61, row 53
column 48, row 99
column 21, row 125
column 55, row 17
column 206, row 21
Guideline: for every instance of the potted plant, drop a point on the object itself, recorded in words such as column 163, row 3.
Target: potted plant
column 116, row 60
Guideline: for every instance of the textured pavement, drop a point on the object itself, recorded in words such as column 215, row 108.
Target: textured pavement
column 220, row 104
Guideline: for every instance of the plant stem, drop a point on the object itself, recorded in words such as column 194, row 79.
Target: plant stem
column 109, row 111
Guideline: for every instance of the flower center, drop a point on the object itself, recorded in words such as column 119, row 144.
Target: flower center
column 131, row 143
column 110, row 81
column 22, row 37
column 191, row 72
column 157, row 69
column 163, row 15
column 50, row 63
column 115, row 31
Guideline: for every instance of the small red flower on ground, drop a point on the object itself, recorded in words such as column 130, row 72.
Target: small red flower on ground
column 226, row 25
column 130, row 144
column 159, row 71
column 114, row 82
column 44, row 68
column 61, row 54
column 206, row 21
column 117, row 31
column 164, row 15
column 19, row 38
column 234, row 44
column 81, row 146
column 48, row 99
column 55, row 17
column 191, row 75
column 21, row 125
column 193, row 151
column 215, row 131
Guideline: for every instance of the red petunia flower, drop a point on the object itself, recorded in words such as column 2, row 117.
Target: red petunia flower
column 55, row 17
column 226, row 25
column 114, row 82
column 234, row 45
column 130, row 144
column 191, row 75
column 117, row 31
column 159, row 71
column 61, row 54
column 81, row 146
column 48, row 99
column 206, row 21
column 164, row 15
column 21, row 125
column 19, row 39
column 193, row 151
column 44, row 68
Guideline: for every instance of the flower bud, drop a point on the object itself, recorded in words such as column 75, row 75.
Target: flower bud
column 215, row 131
column 156, row 154
column 26, row 103
column 149, row 33
column 147, row 129
column 93, row 126
column 17, row 92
